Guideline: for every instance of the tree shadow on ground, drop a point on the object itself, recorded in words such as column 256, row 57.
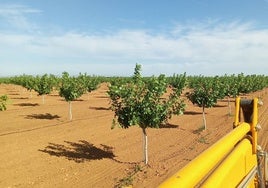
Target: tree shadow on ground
column 99, row 108
column 42, row 116
column 27, row 104
column 192, row 113
column 13, row 94
column 19, row 98
column 79, row 152
column 102, row 97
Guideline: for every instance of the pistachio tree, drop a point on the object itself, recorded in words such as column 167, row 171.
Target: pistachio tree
column 43, row 86
column 71, row 88
column 142, row 103
column 204, row 94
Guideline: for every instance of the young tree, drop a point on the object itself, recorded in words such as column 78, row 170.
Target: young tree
column 3, row 102
column 71, row 88
column 44, row 86
column 231, row 89
column 142, row 103
column 204, row 95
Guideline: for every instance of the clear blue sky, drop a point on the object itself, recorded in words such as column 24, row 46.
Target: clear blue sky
column 108, row 37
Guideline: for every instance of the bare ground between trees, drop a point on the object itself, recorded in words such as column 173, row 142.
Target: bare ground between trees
column 40, row 147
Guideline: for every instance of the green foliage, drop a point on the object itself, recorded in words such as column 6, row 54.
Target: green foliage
column 4, row 80
column 218, row 87
column 44, row 85
column 178, row 81
column 231, row 85
column 92, row 83
column 119, row 80
column 137, row 74
column 71, row 88
column 251, row 83
column 89, row 83
column 143, row 104
column 27, row 81
column 55, row 81
column 3, row 102
column 205, row 94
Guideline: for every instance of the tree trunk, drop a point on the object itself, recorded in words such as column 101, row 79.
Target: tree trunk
column 204, row 119
column 145, row 146
column 70, row 111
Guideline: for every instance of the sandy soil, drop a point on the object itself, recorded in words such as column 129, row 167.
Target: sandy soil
column 40, row 147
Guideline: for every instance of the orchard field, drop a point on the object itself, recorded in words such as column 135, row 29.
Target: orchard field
column 42, row 147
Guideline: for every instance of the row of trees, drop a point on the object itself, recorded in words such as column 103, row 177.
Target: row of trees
column 206, row 91
column 144, row 101
column 69, row 87
column 229, row 85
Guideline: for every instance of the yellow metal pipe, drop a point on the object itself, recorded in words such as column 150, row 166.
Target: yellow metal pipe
column 234, row 168
column 195, row 171
column 237, row 110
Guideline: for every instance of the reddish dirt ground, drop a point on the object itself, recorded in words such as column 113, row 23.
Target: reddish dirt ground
column 40, row 147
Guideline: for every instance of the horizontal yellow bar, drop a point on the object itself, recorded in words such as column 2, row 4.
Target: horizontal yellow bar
column 198, row 168
column 234, row 168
